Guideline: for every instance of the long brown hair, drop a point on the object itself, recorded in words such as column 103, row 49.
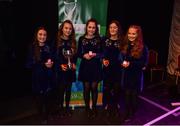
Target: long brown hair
column 137, row 49
column 120, row 32
column 71, row 37
column 36, row 43
column 96, row 24
column 96, row 34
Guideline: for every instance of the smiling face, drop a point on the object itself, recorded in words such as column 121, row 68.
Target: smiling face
column 132, row 34
column 113, row 29
column 67, row 30
column 41, row 36
column 91, row 28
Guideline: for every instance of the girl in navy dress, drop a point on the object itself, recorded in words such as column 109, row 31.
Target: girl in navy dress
column 40, row 60
column 90, row 70
column 111, row 68
column 66, row 64
column 135, row 58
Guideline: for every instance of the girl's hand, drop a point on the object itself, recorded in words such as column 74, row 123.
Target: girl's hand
column 64, row 67
column 73, row 66
column 125, row 64
column 105, row 62
column 87, row 56
column 144, row 68
column 91, row 54
column 49, row 63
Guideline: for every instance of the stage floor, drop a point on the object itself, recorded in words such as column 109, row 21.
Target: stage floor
column 154, row 108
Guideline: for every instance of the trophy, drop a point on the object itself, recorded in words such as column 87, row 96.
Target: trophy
column 68, row 54
column 70, row 6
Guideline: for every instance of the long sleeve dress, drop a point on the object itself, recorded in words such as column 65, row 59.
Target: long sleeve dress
column 42, row 77
column 112, row 73
column 133, row 74
column 70, row 75
column 90, row 70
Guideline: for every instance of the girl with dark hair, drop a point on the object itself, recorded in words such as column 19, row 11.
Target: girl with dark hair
column 111, row 69
column 90, row 70
column 41, row 62
column 66, row 64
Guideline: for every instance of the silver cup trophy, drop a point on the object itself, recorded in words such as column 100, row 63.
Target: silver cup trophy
column 68, row 54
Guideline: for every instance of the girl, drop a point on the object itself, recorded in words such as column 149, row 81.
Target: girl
column 111, row 69
column 135, row 58
column 40, row 60
column 66, row 60
column 90, row 70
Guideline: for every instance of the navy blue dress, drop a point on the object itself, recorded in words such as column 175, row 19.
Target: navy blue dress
column 68, row 76
column 90, row 70
column 112, row 73
column 134, row 73
column 42, row 77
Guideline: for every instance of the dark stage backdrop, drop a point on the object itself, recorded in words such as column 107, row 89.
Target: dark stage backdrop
column 174, row 40
column 19, row 18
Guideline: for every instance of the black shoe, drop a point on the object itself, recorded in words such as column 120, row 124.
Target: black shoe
column 127, row 119
column 116, row 112
column 107, row 112
column 44, row 122
column 44, row 118
column 61, row 113
column 128, row 116
column 94, row 113
column 88, row 112
column 68, row 112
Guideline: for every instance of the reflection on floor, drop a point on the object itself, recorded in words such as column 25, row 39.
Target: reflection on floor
column 154, row 104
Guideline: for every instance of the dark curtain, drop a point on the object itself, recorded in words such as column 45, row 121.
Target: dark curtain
column 174, row 39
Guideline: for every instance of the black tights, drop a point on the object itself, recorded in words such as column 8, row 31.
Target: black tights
column 43, row 102
column 64, row 90
column 90, row 88
column 131, row 102
column 111, row 94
